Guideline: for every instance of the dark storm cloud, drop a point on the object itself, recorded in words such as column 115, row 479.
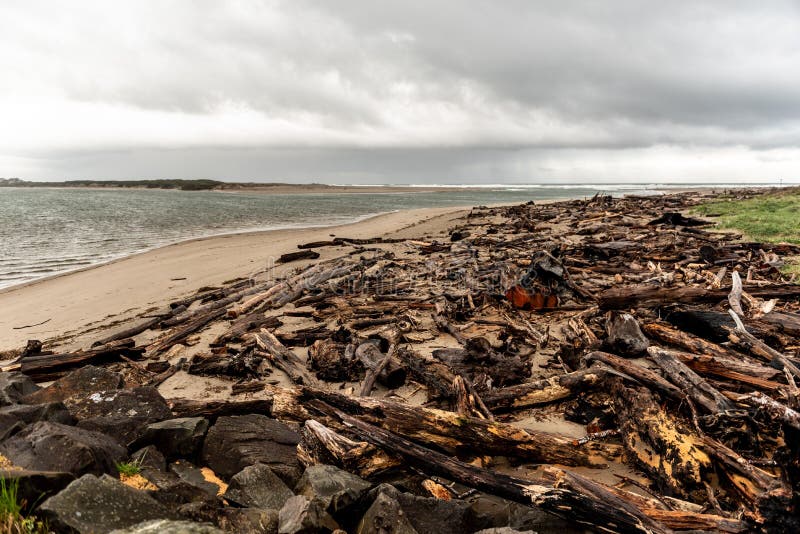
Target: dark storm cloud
column 378, row 91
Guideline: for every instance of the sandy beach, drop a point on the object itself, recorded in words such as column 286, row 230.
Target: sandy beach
column 77, row 307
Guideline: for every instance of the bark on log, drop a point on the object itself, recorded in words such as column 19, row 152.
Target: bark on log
column 663, row 447
column 44, row 367
column 546, row 391
column 392, row 374
column 625, row 297
column 218, row 408
column 690, row 382
column 283, row 358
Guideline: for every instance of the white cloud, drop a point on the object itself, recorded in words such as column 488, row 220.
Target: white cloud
column 594, row 89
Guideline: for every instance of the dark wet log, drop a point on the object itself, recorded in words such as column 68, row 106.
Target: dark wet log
column 569, row 496
column 639, row 373
column 708, row 365
column 218, row 408
column 456, row 434
column 774, row 409
column 44, row 367
column 181, row 333
column 334, row 362
column 749, row 343
column 295, row 256
column 752, row 482
column 380, row 365
column 437, row 376
column 245, row 364
column 690, row 382
column 672, row 218
column 546, row 391
column 785, row 322
column 283, row 358
column 626, row 297
column 321, row 445
column 128, row 332
column 661, row 445
column 695, row 345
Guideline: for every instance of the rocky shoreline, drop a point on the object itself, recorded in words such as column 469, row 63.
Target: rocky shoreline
column 604, row 364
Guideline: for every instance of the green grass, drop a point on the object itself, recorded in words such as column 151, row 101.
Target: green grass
column 129, row 468
column 11, row 519
column 771, row 218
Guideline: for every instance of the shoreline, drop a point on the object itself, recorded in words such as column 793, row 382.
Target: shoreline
column 75, row 303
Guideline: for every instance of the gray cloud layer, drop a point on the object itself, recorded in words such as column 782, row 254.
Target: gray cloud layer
column 360, row 91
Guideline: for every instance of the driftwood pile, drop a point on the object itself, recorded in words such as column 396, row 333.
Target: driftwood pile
column 675, row 346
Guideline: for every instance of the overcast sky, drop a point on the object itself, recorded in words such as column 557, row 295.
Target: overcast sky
column 402, row 92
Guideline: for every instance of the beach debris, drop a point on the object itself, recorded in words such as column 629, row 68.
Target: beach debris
column 521, row 357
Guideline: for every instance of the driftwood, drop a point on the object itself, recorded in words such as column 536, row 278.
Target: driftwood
column 44, row 367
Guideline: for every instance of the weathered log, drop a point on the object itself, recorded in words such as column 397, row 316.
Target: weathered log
column 334, row 362
column 218, row 408
column 283, row 358
column 663, row 447
column 295, row 256
column 695, row 345
column 244, row 324
column 546, row 391
column 625, row 336
column 571, row 497
column 708, row 365
column 321, row 445
column 755, row 346
column 437, row 376
column 625, row 297
column 690, row 382
column 388, row 369
column 373, row 371
column 128, row 332
column 196, row 324
column 774, row 409
column 639, row 373
column 44, row 367
column 455, row 434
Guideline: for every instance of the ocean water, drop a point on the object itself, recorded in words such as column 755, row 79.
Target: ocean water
column 44, row 232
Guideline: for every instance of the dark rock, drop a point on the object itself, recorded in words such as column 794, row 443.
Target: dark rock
column 194, row 476
column 14, row 386
column 206, row 511
column 385, row 516
column 258, row 487
column 92, row 504
column 46, row 446
column 496, row 512
column 9, row 425
column 423, row 513
column 236, row 442
column 55, row 412
column 300, row 515
column 176, row 438
column 458, row 235
column 150, row 458
column 167, row 526
column 624, row 335
column 249, row 521
column 33, row 486
column 121, row 414
column 334, row 488
column 86, row 380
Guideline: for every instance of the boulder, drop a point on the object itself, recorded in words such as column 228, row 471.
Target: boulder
column 46, row 446
column 91, row 504
column 55, row 412
column 176, row 438
column 249, row 520
column 504, row 530
column 385, row 516
column 236, row 442
column 14, row 386
column 167, row 526
column 258, row 487
column 624, row 335
column 497, row 512
column 190, row 474
column 86, row 380
column 9, row 425
column 150, row 458
column 424, row 514
column 335, row 488
column 33, row 486
column 121, row 413
column 300, row 515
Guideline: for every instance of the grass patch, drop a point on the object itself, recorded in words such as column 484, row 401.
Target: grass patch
column 129, row 468
column 771, row 218
column 11, row 519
